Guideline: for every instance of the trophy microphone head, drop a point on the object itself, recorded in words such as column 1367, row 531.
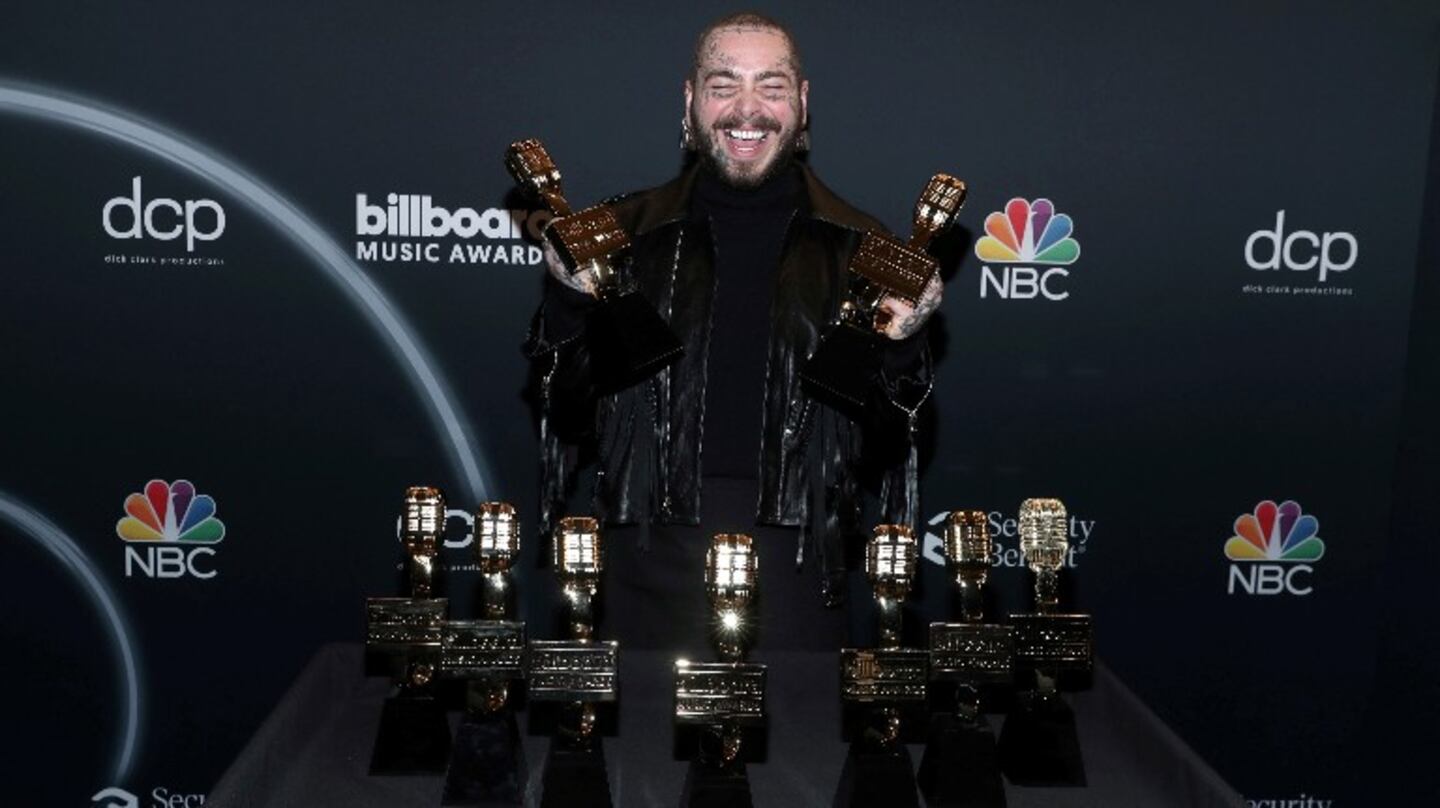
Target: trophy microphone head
column 890, row 561
column 1044, row 534
column 967, row 542
column 423, row 520
column 497, row 536
column 731, row 569
column 577, row 550
column 939, row 202
column 532, row 168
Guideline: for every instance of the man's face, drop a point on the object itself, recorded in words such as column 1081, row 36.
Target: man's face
column 746, row 104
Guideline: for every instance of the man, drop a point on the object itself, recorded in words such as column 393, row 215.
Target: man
column 745, row 256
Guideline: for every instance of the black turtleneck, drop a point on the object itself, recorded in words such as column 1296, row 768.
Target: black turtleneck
column 747, row 227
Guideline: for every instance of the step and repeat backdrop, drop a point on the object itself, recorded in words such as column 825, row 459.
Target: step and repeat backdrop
column 263, row 268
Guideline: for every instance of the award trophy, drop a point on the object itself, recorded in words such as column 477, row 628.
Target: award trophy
column 842, row 370
column 487, row 762
column 1038, row 745
column 883, row 689
column 961, row 766
column 579, row 673
column 722, row 701
column 403, row 635
column 628, row 341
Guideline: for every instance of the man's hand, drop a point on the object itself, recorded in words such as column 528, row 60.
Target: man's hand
column 580, row 281
column 903, row 320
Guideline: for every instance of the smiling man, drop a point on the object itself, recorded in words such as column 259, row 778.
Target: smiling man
column 745, row 255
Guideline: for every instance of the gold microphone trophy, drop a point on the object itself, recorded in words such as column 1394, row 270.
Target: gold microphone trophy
column 883, row 689
column 403, row 638
column 842, row 370
column 487, row 761
column 723, row 701
column 961, row 766
column 627, row 340
column 1039, row 745
column 579, row 673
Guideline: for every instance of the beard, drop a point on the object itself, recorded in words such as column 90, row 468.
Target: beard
column 710, row 146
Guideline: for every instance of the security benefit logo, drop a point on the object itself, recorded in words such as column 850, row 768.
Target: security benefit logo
column 1005, row 549
column 1299, row 262
column 1271, row 550
column 1026, row 249
column 170, row 531
column 116, row 797
column 413, row 229
column 160, row 230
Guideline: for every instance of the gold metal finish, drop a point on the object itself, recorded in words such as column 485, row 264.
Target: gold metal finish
column 731, row 570
column 585, row 240
column 579, row 560
column 890, row 565
column 422, row 523
column 967, row 546
column 1044, row 539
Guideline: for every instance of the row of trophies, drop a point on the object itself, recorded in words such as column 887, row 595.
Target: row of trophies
column 720, row 718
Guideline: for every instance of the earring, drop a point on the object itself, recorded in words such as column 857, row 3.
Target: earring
column 687, row 138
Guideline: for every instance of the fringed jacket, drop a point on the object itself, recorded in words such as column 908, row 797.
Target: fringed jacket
column 646, row 438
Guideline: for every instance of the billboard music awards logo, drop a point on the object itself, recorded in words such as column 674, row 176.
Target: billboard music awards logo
column 412, row 229
column 1270, row 550
column 170, row 531
column 1031, row 243
column 1005, row 539
column 1314, row 260
column 191, row 222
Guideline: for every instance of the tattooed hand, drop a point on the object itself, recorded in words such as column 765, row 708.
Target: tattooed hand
column 580, row 281
column 902, row 320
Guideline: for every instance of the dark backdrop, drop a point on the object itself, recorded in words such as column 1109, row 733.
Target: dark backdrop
column 303, row 381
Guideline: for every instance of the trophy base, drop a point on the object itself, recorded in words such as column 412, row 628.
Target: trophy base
column 1039, row 745
column 877, row 778
column 710, row 785
column 487, row 762
column 961, row 765
column 575, row 777
column 628, row 341
column 841, row 373
column 414, row 737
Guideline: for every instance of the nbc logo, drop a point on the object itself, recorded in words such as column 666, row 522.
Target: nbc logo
column 1026, row 236
column 175, row 526
column 1270, row 548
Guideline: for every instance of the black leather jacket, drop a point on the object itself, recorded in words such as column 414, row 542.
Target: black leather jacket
column 648, row 437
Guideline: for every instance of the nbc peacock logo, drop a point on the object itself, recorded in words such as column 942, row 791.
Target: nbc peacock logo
column 1272, row 550
column 1033, row 244
column 169, row 530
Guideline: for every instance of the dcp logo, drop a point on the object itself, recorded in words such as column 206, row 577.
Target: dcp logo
column 163, row 219
column 1301, row 251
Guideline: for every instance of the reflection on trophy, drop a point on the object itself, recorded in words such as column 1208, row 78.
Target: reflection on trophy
column 841, row 371
column 883, row 689
column 628, row 341
column 579, row 673
column 723, row 701
column 487, row 761
column 1039, row 745
column 961, row 766
column 403, row 636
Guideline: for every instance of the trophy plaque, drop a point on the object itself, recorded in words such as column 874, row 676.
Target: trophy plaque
column 720, row 706
column 487, row 761
column 1039, row 745
column 578, row 673
column 403, row 635
column 883, row 689
column 628, row 341
column 961, row 766
column 842, row 371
